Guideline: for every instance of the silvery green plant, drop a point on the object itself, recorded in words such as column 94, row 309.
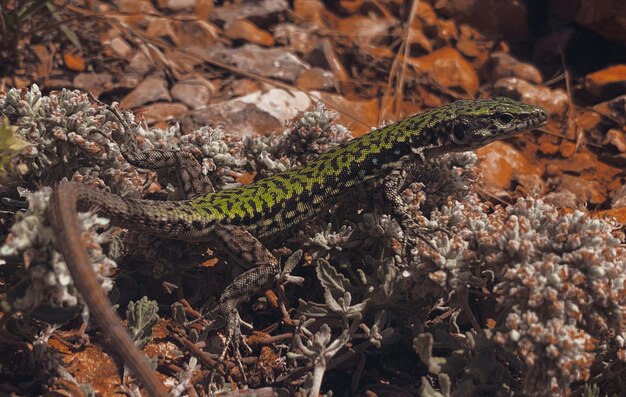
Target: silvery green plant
column 46, row 278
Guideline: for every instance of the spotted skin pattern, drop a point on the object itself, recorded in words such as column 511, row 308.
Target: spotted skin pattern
column 235, row 218
column 284, row 200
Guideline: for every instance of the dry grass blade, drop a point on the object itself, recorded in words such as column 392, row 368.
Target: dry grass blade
column 394, row 96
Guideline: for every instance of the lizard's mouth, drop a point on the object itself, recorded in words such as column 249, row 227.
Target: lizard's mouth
column 528, row 124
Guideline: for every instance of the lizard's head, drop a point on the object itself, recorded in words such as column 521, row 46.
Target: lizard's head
column 469, row 124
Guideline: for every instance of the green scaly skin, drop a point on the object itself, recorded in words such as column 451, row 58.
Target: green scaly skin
column 277, row 203
column 232, row 217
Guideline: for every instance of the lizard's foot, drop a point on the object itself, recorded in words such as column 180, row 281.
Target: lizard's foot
column 232, row 326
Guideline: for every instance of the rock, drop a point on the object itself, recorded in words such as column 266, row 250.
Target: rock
column 615, row 109
column 473, row 45
column 316, row 79
column 607, row 83
column 242, row 29
column 504, row 65
column 447, row 68
column 577, row 163
column 153, row 88
column 96, row 83
column 73, row 61
column 255, row 113
column 618, row 213
column 195, row 92
column 555, row 101
column 529, row 184
column 276, row 63
column 260, row 12
column 562, row 199
column 619, row 198
column 135, row 12
column 360, row 115
column 616, row 138
column 204, row 9
column 584, row 190
column 508, row 18
column 607, row 17
column 548, row 144
column 501, row 163
column 191, row 33
column 119, row 47
column 162, row 111
column 567, row 149
column 177, row 5
column 140, row 64
column 299, row 39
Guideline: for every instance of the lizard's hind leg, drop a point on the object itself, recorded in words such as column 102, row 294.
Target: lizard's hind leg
column 244, row 246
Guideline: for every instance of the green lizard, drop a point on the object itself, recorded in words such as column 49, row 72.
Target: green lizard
column 234, row 219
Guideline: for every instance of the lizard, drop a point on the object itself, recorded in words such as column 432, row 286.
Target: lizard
column 236, row 218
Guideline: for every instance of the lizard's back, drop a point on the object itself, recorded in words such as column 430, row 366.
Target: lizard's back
column 283, row 200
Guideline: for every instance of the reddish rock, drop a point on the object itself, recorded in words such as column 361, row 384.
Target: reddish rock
column 242, row 29
column 119, row 47
column 529, row 184
column 153, row 88
column 299, row 39
column 132, row 12
column 73, row 61
column 504, row 65
column 501, row 163
column 617, row 139
column 276, row 63
column 260, row 11
column 162, row 111
column 607, row 17
column 548, row 148
column 447, row 68
column 555, row 101
column 96, row 83
column 192, row 33
column 618, row 199
column 177, row 4
column 316, row 79
column 195, row 92
column 567, row 148
column 508, row 18
column 615, row 109
column 619, row 214
column 360, row 115
column 140, row 64
column 474, row 46
column 255, row 113
column 577, row 163
column 607, row 83
column 584, row 190
column 562, row 199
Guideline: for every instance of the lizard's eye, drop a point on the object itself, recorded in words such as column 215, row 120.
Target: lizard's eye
column 459, row 133
column 505, row 118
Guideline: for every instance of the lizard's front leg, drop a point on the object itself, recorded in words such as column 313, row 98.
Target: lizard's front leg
column 192, row 180
column 393, row 185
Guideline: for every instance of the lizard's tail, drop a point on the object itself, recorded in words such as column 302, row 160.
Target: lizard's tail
column 62, row 211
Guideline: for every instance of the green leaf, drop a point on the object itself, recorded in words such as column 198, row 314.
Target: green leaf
column 10, row 146
column 30, row 8
column 69, row 33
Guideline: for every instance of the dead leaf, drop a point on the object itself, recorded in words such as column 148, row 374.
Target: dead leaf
column 74, row 61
